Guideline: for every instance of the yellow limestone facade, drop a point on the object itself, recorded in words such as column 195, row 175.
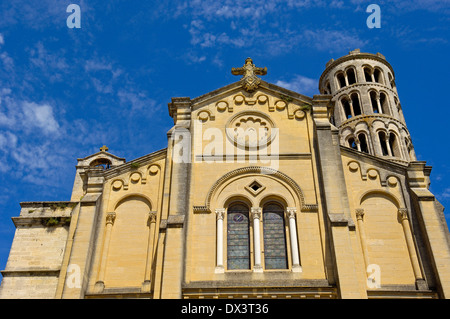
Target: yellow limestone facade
column 261, row 193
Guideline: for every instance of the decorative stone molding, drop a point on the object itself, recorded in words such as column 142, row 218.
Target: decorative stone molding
column 117, row 184
column 359, row 213
column 349, row 87
column 175, row 221
column 255, row 188
column 291, row 212
column 205, row 115
column 359, row 56
column 110, row 218
column 223, row 105
column 255, row 213
column 256, row 170
column 402, row 214
column 180, row 109
column 152, row 217
column 368, row 119
column 201, row 210
column 220, row 213
column 338, row 220
column 240, row 127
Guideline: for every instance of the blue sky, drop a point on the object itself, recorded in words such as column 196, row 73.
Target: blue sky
column 66, row 92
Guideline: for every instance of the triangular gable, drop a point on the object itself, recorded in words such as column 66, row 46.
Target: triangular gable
column 115, row 160
column 181, row 108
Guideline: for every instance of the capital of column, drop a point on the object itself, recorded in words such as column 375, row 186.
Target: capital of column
column 110, row 218
column 291, row 212
column 151, row 217
column 220, row 213
column 255, row 213
column 359, row 213
column 402, row 214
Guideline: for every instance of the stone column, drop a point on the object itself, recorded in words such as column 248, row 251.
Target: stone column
column 380, row 109
column 220, row 214
column 350, row 102
column 404, row 220
column 362, row 234
column 256, row 217
column 100, row 284
column 358, row 145
column 388, row 145
column 146, row 286
column 291, row 213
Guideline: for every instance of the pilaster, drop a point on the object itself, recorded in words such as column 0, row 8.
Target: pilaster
column 433, row 224
column 335, row 197
column 180, row 147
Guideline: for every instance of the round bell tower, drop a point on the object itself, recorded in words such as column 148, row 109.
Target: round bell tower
column 367, row 108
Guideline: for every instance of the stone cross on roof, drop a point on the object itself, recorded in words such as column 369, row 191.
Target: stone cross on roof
column 104, row 148
column 249, row 71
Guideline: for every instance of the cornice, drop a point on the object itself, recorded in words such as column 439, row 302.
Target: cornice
column 358, row 56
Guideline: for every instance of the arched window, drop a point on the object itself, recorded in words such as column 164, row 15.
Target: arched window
column 238, row 237
column 373, row 100
column 368, row 74
column 351, row 77
column 352, row 143
column 274, row 233
column 410, row 149
column 327, row 88
column 393, row 143
column 341, row 80
column 391, row 81
column 384, row 103
column 378, row 76
column 347, row 108
column 363, row 143
column 382, row 139
column 101, row 163
column 356, row 105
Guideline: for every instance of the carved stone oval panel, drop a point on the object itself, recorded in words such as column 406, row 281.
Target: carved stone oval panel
column 251, row 129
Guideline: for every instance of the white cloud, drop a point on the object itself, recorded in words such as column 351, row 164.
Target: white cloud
column 249, row 27
column 400, row 6
column 301, row 84
column 8, row 140
column 96, row 65
column 445, row 194
column 40, row 116
column 191, row 57
column 8, row 62
column 333, row 40
column 137, row 101
column 2, row 39
column 44, row 59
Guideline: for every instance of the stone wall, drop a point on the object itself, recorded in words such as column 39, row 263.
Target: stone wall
column 33, row 266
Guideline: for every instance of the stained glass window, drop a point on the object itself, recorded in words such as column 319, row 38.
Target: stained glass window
column 275, row 256
column 238, row 237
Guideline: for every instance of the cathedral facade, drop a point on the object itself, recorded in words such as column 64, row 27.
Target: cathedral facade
column 261, row 193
